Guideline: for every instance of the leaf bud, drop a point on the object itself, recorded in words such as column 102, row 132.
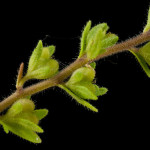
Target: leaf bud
column 22, row 105
column 41, row 65
column 82, row 74
column 94, row 41
column 44, row 71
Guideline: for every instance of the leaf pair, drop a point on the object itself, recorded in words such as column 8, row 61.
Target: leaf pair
column 95, row 41
column 22, row 120
column 23, row 128
column 81, row 88
column 41, row 65
column 143, row 57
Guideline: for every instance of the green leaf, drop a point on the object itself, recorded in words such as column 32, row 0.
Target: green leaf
column 40, row 73
column 109, row 40
column 94, row 88
column 29, row 116
column 94, row 39
column 142, row 63
column 28, row 124
column 78, row 99
column 147, row 27
column 82, row 74
column 47, row 52
column 41, row 113
column 93, row 32
column 23, row 132
column 33, row 61
column 94, row 46
column 76, row 77
column 83, row 92
column 41, row 66
column 19, row 106
column 85, row 103
column 15, row 109
column 52, row 50
column 145, row 52
column 4, row 126
column 83, row 38
column 100, row 91
column 46, row 71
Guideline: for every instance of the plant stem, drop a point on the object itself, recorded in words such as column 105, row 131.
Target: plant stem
column 65, row 73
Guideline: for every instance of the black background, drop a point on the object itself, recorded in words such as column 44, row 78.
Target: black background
column 123, row 113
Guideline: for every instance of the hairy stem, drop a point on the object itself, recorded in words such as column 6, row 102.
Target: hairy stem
column 65, row 73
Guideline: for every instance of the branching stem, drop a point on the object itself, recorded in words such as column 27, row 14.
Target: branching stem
column 65, row 73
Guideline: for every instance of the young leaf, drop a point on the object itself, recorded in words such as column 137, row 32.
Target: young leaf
column 109, row 40
column 100, row 91
column 35, row 57
column 85, row 103
column 94, row 38
column 83, row 38
column 28, row 124
column 15, row 109
column 27, row 104
column 19, row 106
column 147, row 27
column 95, row 46
column 82, row 74
column 4, row 126
column 41, row 73
column 46, row 71
column 41, row 113
column 78, row 99
column 142, row 63
column 93, row 32
column 94, row 88
column 47, row 52
column 51, row 50
column 83, row 92
column 145, row 52
column 28, row 116
column 76, row 77
column 23, row 132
